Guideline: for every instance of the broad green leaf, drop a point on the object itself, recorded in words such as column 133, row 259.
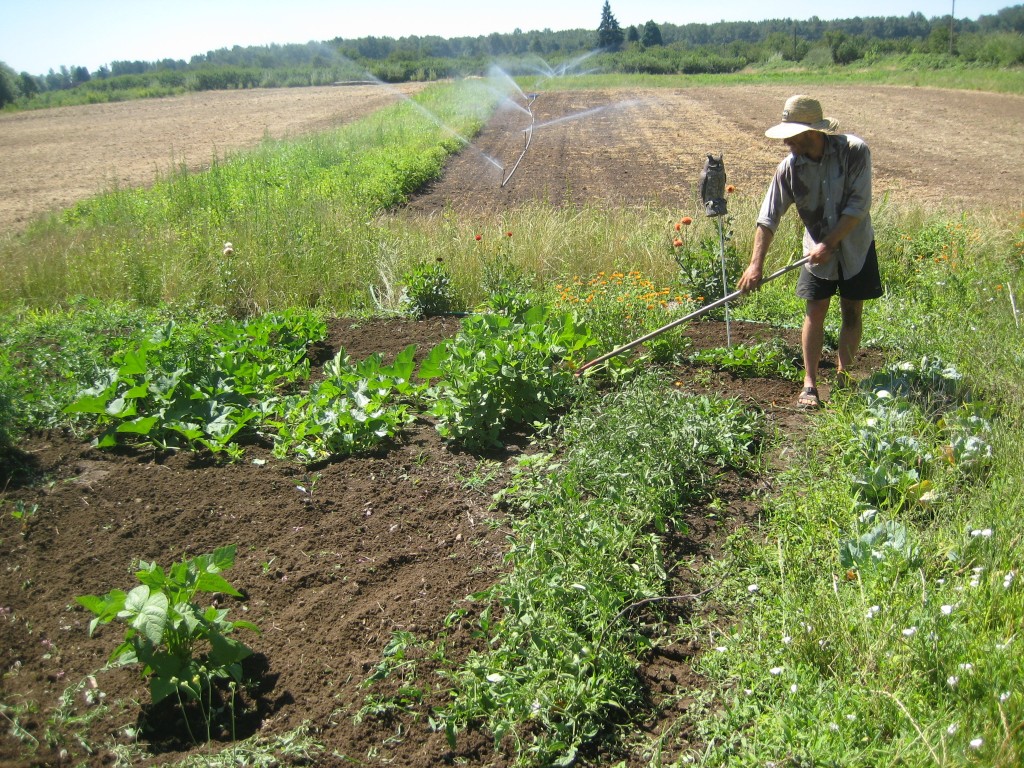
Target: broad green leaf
column 431, row 367
column 403, row 366
column 134, row 363
column 88, row 404
column 160, row 688
column 136, row 392
column 120, row 408
column 140, row 426
column 223, row 557
column 213, row 582
column 150, row 609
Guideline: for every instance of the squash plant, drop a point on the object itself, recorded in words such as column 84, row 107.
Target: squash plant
column 502, row 371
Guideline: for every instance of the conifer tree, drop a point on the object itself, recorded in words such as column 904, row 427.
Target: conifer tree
column 609, row 33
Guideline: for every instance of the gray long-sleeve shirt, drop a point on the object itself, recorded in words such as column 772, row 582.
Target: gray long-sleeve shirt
column 823, row 191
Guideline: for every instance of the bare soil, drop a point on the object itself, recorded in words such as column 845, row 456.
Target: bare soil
column 394, row 540
column 55, row 157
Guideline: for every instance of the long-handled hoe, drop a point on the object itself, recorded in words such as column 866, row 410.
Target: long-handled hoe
column 685, row 318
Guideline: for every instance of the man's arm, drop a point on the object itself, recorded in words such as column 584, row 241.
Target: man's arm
column 751, row 278
column 823, row 251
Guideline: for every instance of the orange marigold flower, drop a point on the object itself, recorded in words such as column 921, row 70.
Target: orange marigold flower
column 686, row 221
column 679, row 226
column 479, row 237
column 677, row 242
column 730, row 188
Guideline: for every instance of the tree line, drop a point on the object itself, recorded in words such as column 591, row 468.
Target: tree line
column 666, row 48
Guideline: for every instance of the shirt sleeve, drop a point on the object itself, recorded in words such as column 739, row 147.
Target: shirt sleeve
column 777, row 199
column 857, row 202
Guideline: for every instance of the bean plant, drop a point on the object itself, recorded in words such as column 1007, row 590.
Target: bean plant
column 183, row 648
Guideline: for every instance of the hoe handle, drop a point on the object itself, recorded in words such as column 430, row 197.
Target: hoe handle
column 680, row 320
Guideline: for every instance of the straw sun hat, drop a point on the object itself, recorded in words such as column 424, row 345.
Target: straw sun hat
column 801, row 113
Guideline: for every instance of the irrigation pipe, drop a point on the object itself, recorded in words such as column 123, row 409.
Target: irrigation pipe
column 529, row 137
column 680, row 320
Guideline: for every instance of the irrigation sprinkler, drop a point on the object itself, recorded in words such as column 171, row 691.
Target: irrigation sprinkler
column 712, row 194
column 678, row 321
column 528, row 135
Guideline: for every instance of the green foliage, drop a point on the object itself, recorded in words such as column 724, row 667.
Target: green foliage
column 502, row 371
column 181, row 646
column 912, row 423
column 7, row 410
column 428, row 291
column 508, row 290
column 353, row 409
column 759, row 359
column 701, row 266
column 166, row 397
column 620, row 307
column 24, row 514
column 872, row 608
column 586, row 551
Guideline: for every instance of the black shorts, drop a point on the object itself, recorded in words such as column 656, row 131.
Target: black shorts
column 866, row 284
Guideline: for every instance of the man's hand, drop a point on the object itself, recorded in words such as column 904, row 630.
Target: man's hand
column 820, row 253
column 751, row 278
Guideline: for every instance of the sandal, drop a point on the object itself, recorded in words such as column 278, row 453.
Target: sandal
column 808, row 400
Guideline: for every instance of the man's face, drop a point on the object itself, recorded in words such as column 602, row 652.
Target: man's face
column 804, row 144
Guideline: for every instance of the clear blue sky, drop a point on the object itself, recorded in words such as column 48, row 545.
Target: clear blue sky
column 39, row 35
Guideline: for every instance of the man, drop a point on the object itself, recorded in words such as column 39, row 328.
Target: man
column 828, row 177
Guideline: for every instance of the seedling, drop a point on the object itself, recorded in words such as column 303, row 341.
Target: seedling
column 24, row 514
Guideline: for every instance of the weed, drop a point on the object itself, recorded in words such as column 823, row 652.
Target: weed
column 761, row 359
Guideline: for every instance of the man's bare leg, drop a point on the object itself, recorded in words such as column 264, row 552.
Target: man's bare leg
column 849, row 332
column 812, row 337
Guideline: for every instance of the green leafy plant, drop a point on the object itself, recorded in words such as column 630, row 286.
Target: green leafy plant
column 885, row 544
column 169, row 397
column 910, row 421
column 182, row 647
column 428, row 291
column 24, row 513
column 618, row 307
column 586, row 548
column 500, row 372
column 760, row 359
column 700, row 267
column 354, row 408
column 508, row 290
